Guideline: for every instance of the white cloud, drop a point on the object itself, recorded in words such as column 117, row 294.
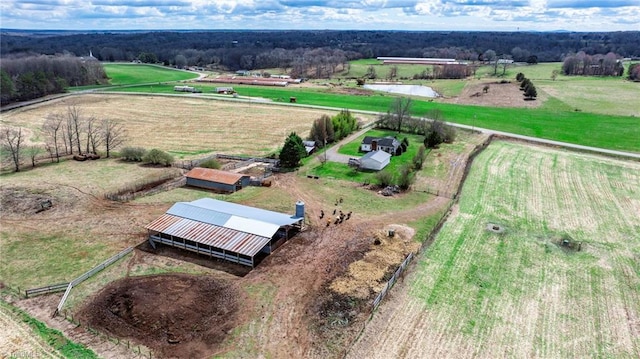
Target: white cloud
column 599, row 15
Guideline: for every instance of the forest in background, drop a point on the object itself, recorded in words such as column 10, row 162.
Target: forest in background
column 34, row 64
column 234, row 50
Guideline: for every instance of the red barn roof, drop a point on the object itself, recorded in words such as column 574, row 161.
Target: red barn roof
column 208, row 174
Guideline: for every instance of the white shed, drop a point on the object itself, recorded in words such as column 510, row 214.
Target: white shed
column 375, row 160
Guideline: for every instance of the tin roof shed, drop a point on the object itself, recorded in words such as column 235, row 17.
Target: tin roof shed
column 222, row 229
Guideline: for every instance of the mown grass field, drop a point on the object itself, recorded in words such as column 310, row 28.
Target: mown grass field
column 342, row 171
column 586, row 111
column 520, row 294
column 127, row 74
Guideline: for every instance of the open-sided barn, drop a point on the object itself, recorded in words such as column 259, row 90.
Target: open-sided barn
column 225, row 230
column 216, row 179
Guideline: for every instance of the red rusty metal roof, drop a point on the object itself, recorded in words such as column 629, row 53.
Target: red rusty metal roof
column 210, row 234
column 208, row 174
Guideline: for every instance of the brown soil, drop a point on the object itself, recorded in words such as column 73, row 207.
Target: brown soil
column 19, row 200
column 302, row 312
column 499, row 95
column 177, row 315
column 351, row 91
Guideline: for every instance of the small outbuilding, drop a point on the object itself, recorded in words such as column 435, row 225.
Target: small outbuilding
column 224, row 230
column 375, row 160
column 217, row 180
column 309, row 146
column 225, row 90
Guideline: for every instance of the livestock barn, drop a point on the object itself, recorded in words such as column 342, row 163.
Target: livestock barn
column 225, row 230
column 217, row 180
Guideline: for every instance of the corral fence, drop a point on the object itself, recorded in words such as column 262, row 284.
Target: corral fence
column 89, row 274
column 394, row 278
column 243, row 161
column 437, row 192
column 147, row 187
column 53, row 288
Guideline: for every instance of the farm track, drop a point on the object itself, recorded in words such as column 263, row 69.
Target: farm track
column 474, row 294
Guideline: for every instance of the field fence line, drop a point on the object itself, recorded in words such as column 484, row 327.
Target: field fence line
column 425, row 244
column 89, row 274
column 46, row 289
column 434, row 231
column 435, row 192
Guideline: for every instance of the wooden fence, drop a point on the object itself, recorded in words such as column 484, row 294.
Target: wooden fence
column 189, row 164
column 89, row 274
column 394, row 278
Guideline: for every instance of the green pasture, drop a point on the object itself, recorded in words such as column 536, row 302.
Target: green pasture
column 128, row 74
column 598, row 112
column 27, row 268
column 344, row 172
column 521, row 286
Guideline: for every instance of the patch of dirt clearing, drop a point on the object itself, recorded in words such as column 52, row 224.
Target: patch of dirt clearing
column 499, row 95
column 177, row 315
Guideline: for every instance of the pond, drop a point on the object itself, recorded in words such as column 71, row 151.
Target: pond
column 413, row 90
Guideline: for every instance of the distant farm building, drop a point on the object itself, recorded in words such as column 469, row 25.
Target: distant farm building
column 386, row 144
column 186, row 89
column 420, row 61
column 225, row 90
column 225, row 230
column 217, row 180
column 375, row 160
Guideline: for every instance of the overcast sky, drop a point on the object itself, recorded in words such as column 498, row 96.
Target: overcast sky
column 489, row 15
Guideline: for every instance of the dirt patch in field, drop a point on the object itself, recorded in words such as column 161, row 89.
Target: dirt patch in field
column 19, row 200
column 351, row 91
column 499, row 95
column 175, row 315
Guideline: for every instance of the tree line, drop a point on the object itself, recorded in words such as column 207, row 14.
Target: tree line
column 272, row 49
column 593, row 65
column 30, row 77
column 68, row 133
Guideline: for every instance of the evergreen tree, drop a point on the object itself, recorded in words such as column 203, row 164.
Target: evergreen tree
column 530, row 92
column 7, row 90
column 292, row 151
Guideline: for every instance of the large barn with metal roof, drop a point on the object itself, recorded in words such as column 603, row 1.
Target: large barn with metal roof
column 225, row 230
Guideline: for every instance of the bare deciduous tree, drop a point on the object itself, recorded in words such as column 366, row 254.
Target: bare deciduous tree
column 113, row 135
column 12, row 140
column 74, row 124
column 401, row 110
column 53, row 129
column 32, row 152
column 94, row 135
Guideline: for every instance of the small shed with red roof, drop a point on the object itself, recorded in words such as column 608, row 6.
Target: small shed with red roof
column 217, row 180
